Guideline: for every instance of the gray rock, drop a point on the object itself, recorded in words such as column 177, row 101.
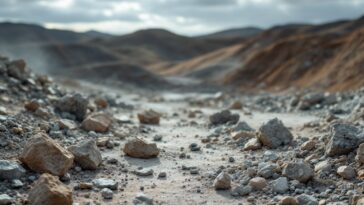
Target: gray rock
column 274, row 134
column 105, row 183
column 74, row 104
column 16, row 184
column 305, row 199
column 346, row 172
column 344, row 139
column 106, row 193
column 87, row 155
column 18, row 70
column 142, row 199
column 299, row 171
column 280, row 185
column 267, row 170
column 224, row 117
column 323, row 166
column 5, row 199
column 241, row 190
column 222, row 181
column 144, row 172
column 10, row 170
column 242, row 126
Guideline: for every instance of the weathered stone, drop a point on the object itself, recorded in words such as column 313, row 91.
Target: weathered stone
column 323, row 166
column 106, row 193
column 258, row 183
column 141, row 149
column 241, row 190
column 32, row 105
column 280, row 185
column 289, row 200
column 105, row 183
column 86, row 154
column 101, row 102
column 142, row 199
column 360, row 154
column 274, row 134
column 42, row 154
column 144, row 172
column 222, row 181
column 149, row 117
column 74, row 104
column 10, row 170
column 346, row 172
column 66, row 124
column 5, row 199
column 307, row 200
column 343, row 139
column 224, row 117
column 267, row 170
column 252, row 144
column 98, row 122
column 309, row 145
column 299, row 171
column 48, row 190
column 236, row 105
column 18, row 70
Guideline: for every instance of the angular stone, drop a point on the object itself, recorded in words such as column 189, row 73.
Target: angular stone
column 86, row 154
column 105, row 183
column 74, row 104
column 289, row 200
column 343, row 139
column 252, row 144
column 274, row 134
column 98, row 122
column 48, row 190
column 10, row 170
column 309, row 145
column 224, row 117
column 141, row 149
column 280, row 185
column 66, row 124
column 360, row 154
column 149, row 117
column 18, row 70
column 5, row 199
column 299, row 171
column 222, row 181
column 307, row 200
column 323, row 166
column 32, row 105
column 43, row 154
column 346, row 172
column 241, row 190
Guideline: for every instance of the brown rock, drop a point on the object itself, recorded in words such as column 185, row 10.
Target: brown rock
column 32, row 105
column 66, row 124
column 42, row 154
column 18, row 69
column 258, row 183
column 309, row 145
column 346, row 172
column 98, row 122
column 288, row 200
column 360, row 154
column 48, row 190
column 141, row 149
column 101, row 102
column 252, row 144
column 358, row 200
column 237, row 105
column 149, row 117
column 222, row 181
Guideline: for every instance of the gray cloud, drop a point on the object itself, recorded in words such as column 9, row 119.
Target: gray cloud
column 183, row 16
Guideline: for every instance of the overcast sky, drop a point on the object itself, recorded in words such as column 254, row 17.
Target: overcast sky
column 189, row 17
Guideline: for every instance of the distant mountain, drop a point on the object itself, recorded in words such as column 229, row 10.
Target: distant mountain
column 234, row 33
column 97, row 34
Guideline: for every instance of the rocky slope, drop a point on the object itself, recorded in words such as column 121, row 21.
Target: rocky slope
column 101, row 145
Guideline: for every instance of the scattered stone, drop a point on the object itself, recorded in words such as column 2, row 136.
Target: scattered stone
column 98, row 122
column 243, row 126
column 194, row 147
column 85, row 185
column 142, row 199
column 149, row 117
column 289, row 200
column 323, row 166
column 86, row 154
column 5, row 199
column 309, row 145
column 299, row 171
column 222, row 181
column 237, row 105
column 18, row 70
column 162, row 175
column 274, row 134
column 48, row 190
column 267, row 170
column 343, row 139
column 141, row 149
column 107, row 193
column 280, row 185
column 74, row 104
column 105, row 183
column 16, row 184
column 258, row 183
column 252, row 144
column 101, row 102
column 360, row 154
column 224, row 117
column 346, row 172
column 144, row 172
column 10, row 170
column 42, row 154
column 241, row 190
column 32, row 105
column 307, row 200
column 157, row 138
column 65, row 124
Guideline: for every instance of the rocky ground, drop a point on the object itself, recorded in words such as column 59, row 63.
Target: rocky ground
column 83, row 143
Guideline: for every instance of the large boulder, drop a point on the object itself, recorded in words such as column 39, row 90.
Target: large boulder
column 10, row 170
column 48, row 190
column 98, row 122
column 43, row 154
column 74, row 104
column 86, row 154
column 223, row 117
column 141, row 149
column 149, row 117
column 344, row 139
column 299, row 171
column 222, row 181
column 274, row 134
